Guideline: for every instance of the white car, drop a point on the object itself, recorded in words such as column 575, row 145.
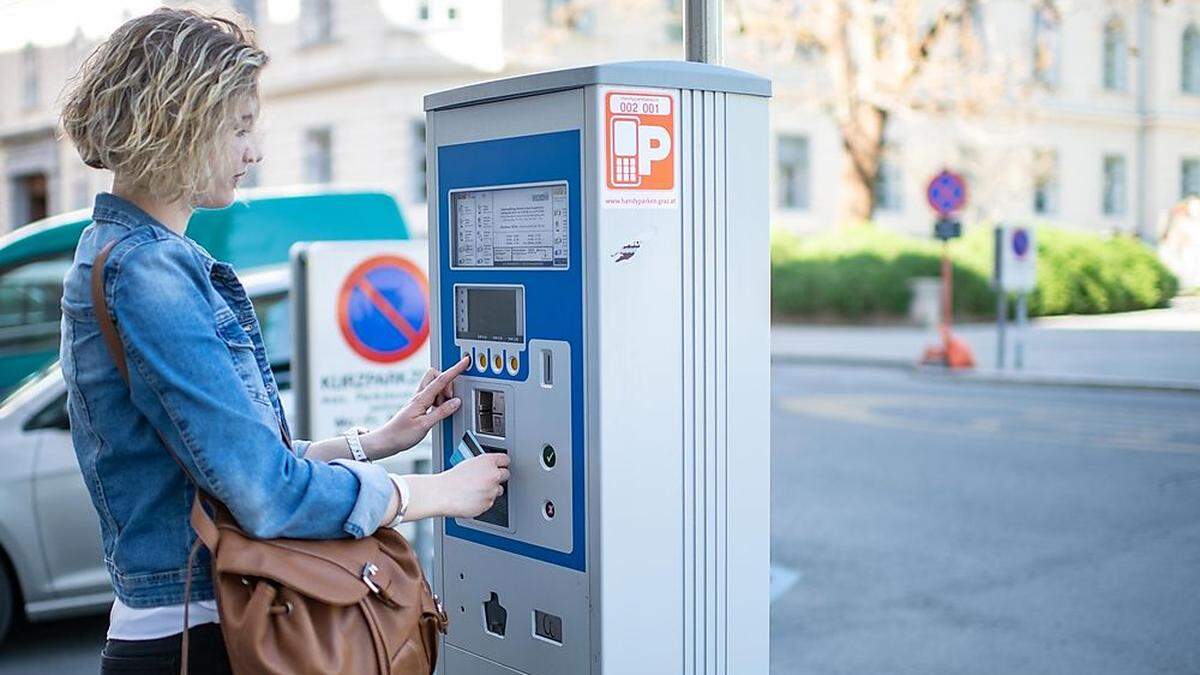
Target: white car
column 51, row 565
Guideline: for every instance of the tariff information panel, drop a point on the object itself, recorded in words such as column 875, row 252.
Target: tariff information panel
column 523, row 226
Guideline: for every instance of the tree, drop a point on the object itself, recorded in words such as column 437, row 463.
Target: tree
column 867, row 62
column 876, row 58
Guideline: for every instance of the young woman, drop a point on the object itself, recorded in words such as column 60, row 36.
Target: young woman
column 168, row 103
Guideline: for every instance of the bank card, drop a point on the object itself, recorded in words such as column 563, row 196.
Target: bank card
column 467, row 448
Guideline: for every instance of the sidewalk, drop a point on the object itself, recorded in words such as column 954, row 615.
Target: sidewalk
column 1153, row 349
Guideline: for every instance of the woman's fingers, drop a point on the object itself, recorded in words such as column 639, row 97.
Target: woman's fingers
column 441, row 384
column 427, row 378
column 440, row 412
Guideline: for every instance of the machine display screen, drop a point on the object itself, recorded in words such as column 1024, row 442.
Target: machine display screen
column 523, row 226
column 490, row 313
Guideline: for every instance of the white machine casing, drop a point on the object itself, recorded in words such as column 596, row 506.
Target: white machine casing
column 676, row 391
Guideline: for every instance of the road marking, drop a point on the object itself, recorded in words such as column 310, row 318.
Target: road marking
column 1132, row 430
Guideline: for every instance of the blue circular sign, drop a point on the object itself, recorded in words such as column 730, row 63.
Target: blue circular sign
column 947, row 192
column 1020, row 242
column 383, row 309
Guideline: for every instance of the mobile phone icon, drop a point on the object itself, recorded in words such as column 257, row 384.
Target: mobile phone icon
column 624, row 160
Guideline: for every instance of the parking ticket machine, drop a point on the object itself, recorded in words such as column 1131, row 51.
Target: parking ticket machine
column 599, row 249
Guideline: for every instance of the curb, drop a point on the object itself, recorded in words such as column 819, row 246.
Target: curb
column 991, row 376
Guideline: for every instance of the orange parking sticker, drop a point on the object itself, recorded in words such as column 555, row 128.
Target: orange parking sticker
column 639, row 148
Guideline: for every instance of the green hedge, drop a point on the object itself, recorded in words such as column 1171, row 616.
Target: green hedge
column 862, row 273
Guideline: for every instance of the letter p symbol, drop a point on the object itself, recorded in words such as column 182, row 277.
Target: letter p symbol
column 654, row 144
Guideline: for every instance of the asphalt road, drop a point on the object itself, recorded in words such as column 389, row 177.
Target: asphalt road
column 923, row 525
column 935, row 526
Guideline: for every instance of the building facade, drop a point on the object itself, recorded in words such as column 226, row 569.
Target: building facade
column 1109, row 139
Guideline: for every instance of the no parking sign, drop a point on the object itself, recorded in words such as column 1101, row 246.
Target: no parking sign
column 362, row 331
column 383, row 308
column 1016, row 258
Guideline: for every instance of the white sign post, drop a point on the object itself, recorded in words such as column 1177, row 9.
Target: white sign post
column 1015, row 272
column 360, row 336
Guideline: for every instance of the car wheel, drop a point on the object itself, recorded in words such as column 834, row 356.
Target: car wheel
column 7, row 602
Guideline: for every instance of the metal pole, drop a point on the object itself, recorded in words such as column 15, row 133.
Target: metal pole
column 1001, row 295
column 1001, row 320
column 1019, row 346
column 702, row 26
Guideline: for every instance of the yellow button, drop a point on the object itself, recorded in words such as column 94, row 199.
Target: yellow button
column 483, row 361
column 513, row 363
column 498, row 361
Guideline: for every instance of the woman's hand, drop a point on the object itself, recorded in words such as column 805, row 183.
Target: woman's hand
column 465, row 491
column 471, row 487
column 433, row 402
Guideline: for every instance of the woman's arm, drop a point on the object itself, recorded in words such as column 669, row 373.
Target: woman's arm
column 184, row 381
column 433, row 402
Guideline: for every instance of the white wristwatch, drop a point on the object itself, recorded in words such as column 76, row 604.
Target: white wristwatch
column 352, row 439
column 402, row 486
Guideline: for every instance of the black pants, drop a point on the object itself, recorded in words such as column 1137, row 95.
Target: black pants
column 206, row 654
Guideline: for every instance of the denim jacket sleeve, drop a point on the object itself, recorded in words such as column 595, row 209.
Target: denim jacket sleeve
column 184, row 381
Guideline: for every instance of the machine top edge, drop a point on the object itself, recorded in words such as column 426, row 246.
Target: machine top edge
column 666, row 74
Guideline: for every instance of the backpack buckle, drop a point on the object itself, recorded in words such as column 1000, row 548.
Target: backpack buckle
column 368, row 575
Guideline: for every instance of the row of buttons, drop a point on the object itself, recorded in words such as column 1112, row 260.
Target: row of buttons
column 497, row 361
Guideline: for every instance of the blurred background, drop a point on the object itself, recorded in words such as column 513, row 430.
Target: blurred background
column 986, row 519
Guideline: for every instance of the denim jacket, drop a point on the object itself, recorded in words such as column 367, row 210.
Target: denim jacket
column 200, row 377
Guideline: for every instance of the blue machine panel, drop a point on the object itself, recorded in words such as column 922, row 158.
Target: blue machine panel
column 553, row 299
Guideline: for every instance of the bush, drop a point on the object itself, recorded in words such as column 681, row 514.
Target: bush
column 862, row 273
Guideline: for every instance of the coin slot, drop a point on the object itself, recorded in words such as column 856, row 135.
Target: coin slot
column 547, row 368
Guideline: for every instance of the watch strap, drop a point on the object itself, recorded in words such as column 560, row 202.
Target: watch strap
column 354, row 440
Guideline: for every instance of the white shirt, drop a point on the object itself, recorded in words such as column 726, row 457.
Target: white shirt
column 148, row 623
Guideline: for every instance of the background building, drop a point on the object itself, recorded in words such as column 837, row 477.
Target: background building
column 1109, row 139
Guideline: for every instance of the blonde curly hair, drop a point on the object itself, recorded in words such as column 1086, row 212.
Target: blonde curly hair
column 151, row 101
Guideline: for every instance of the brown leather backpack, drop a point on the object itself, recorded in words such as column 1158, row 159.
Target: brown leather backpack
column 293, row 606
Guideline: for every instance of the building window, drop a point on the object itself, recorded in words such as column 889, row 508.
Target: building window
column 1045, row 182
column 248, row 9
column 572, row 15
column 318, row 155
column 1047, row 28
column 29, row 77
column 1189, row 178
column 1189, row 76
column 889, row 189
column 417, row 152
column 30, row 198
column 793, row 176
column 1115, row 52
column 1114, row 185
column 316, row 21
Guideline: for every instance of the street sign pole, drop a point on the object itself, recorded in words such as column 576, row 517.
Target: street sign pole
column 947, row 194
column 1019, row 344
column 1001, row 320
